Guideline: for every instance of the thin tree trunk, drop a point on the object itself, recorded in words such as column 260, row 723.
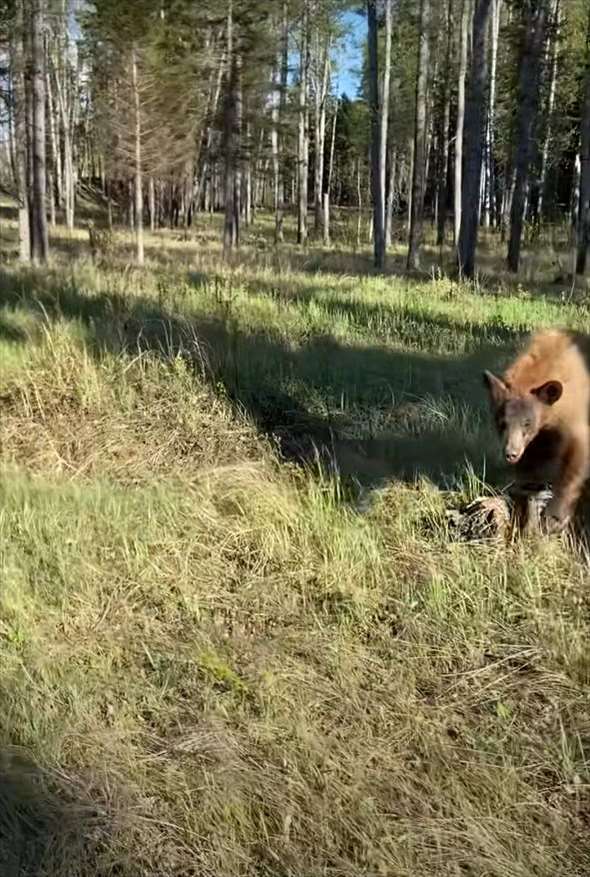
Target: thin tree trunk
column 321, row 95
column 409, row 178
column 582, row 260
column 376, row 186
column 474, row 140
column 276, row 165
column 39, row 232
column 443, row 180
column 109, row 204
column 18, row 62
column 66, row 112
column 152, row 203
column 528, row 105
column 384, row 115
column 420, row 134
column 328, row 192
column 550, row 109
column 303, row 138
column 359, row 195
column 53, row 157
column 137, row 157
column 248, row 198
column 232, row 134
column 464, row 45
column 284, row 67
column 490, row 162
column 391, row 198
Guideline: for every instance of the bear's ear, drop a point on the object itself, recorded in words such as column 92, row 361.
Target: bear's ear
column 549, row 393
column 496, row 388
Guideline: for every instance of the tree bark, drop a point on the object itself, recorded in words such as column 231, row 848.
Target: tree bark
column 490, row 162
column 328, row 192
column 474, row 140
column 391, row 198
column 321, row 95
column 138, row 183
column 284, row 66
column 582, row 260
column 359, row 196
column 550, row 108
column 528, row 105
column 232, row 134
column 303, row 133
column 464, row 45
column 376, row 186
column 39, row 232
column 420, row 134
column 18, row 61
column 443, row 179
column 276, row 164
column 53, row 162
column 66, row 106
column 384, row 115
column 152, row 203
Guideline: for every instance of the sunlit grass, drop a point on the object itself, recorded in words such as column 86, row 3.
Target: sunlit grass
column 217, row 660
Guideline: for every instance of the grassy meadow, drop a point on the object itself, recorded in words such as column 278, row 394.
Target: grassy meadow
column 236, row 636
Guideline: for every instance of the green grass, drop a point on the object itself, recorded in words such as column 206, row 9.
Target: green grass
column 216, row 661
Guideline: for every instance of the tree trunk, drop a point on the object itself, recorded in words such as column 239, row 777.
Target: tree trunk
column 584, row 209
column 384, row 116
column 137, row 156
column 52, row 142
column 376, row 186
column 409, row 178
column 249, row 201
column 528, row 105
column 420, row 133
column 232, row 134
column 391, row 198
column 443, row 178
column 359, row 197
column 474, row 140
column 328, row 192
column 18, row 61
column 152, row 203
column 284, row 66
column 321, row 96
column 490, row 162
column 109, row 204
column 276, row 164
column 303, row 138
column 550, row 108
column 464, row 44
column 39, row 232
column 66, row 105
column 204, row 165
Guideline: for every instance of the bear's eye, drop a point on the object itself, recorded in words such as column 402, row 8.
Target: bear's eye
column 527, row 424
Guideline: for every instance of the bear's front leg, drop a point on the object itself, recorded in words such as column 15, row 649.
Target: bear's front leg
column 569, row 484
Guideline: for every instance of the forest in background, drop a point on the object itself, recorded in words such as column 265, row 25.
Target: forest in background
column 470, row 113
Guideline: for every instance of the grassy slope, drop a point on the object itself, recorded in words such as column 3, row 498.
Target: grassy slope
column 210, row 662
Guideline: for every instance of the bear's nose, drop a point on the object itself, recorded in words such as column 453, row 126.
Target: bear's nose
column 512, row 456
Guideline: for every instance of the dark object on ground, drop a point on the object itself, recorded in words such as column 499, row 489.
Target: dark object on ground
column 518, row 510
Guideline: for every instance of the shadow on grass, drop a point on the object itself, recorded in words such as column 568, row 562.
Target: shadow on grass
column 44, row 828
column 363, row 406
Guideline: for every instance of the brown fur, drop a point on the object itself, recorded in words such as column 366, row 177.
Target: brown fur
column 542, row 407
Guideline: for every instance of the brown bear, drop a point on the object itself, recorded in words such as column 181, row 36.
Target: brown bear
column 541, row 407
